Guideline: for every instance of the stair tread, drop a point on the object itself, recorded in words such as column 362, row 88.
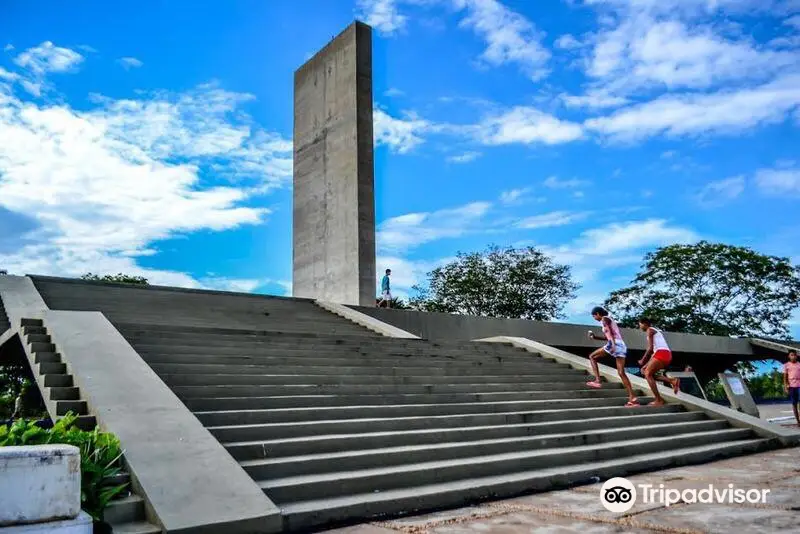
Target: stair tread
column 421, row 466
column 438, row 430
column 140, row 527
column 463, row 444
column 472, row 483
column 429, row 417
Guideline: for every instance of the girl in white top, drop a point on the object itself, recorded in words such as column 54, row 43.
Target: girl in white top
column 662, row 356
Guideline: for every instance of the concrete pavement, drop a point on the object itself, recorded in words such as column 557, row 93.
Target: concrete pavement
column 579, row 510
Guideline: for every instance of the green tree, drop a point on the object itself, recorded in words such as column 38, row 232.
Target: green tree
column 711, row 289
column 499, row 282
column 117, row 279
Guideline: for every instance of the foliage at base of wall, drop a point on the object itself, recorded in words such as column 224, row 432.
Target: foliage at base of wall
column 16, row 381
column 119, row 278
column 101, row 457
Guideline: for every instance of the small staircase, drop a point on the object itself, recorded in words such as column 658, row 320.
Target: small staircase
column 5, row 324
column 126, row 513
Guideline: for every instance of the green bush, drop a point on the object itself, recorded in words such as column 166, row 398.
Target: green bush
column 101, row 457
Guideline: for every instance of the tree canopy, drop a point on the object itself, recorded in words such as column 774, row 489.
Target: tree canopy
column 711, row 289
column 118, row 278
column 498, row 282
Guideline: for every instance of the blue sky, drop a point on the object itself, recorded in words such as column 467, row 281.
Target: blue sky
column 154, row 139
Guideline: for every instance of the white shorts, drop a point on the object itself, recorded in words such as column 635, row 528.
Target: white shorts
column 386, row 295
column 621, row 352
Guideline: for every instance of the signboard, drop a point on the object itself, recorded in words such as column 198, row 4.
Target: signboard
column 738, row 394
column 736, row 385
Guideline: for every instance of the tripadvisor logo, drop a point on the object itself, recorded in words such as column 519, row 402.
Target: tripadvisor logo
column 619, row 495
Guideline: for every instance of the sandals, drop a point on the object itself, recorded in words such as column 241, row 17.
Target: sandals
column 594, row 384
column 632, row 403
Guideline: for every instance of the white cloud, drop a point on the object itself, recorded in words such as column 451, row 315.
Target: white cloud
column 8, row 76
column 636, row 235
column 513, row 196
column 694, row 114
column 553, row 182
column 527, row 125
column 8, row 48
column 383, row 15
column 464, row 157
column 550, row 220
column 594, row 100
column 414, row 229
column 400, row 135
column 509, row 36
column 720, row 192
column 130, row 63
column 47, row 57
column 238, row 285
column 794, row 22
column 567, row 42
column 102, row 186
column 393, row 92
column 779, row 181
column 674, row 44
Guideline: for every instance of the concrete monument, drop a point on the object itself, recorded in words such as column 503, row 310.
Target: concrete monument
column 334, row 202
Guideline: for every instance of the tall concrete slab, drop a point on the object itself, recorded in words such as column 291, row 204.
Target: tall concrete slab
column 334, row 201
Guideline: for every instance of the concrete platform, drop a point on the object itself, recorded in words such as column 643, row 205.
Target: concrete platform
column 580, row 511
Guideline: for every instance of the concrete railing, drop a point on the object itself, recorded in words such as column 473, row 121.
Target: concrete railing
column 365, row 320
column 690, row 402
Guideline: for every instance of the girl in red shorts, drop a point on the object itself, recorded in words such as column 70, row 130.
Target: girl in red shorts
column 662, row 356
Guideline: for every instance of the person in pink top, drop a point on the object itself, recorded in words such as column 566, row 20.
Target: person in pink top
column 615, row 346
column 791, row 382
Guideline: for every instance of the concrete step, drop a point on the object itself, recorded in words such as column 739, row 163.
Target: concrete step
column 299, row 515
column 38, row 346
column 165, row 355
column 39, row 338
column 297, row 415
column 57, row 381
column 334, row 484
column 78, row 407
column 52, row 357
column 303, row 401
column 125, row 326
column 217, row 391
column 345, row 359
column 64, row 393
column 139, row 527
column 306, row 445
column 361, row 458
column 86, row 422
column 31, row 322
column 310, row 349
column 34, row 330
column 568, row 376
column 535, row 367
column 129, row 509
column 52, row 368
column 396, row 424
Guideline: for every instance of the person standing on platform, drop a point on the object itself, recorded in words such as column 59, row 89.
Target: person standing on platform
column 791, row 382
column 386, row 291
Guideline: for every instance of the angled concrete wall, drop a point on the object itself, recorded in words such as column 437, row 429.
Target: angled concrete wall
column 448, row 327
column 334, row 205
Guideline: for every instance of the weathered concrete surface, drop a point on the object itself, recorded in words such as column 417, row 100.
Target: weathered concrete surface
column 579, row 511
column 79, row 525
column 190, row 482
column 787, row 436
column 20, row 299
column 445, row 326
column 334, row 205
column 39, row 483
column 366, row 321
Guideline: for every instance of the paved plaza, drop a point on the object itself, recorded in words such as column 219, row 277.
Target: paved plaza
column 579, row 510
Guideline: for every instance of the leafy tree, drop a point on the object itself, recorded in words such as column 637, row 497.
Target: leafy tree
column 116, row 279
column 711, row 289
column 499, row 282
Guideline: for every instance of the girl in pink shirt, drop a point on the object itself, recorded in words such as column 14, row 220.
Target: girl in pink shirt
column 791, row 382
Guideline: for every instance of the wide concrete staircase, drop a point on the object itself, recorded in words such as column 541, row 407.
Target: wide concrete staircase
column 337, row 424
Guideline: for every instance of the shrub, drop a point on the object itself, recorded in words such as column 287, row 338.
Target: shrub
column 101, row 457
